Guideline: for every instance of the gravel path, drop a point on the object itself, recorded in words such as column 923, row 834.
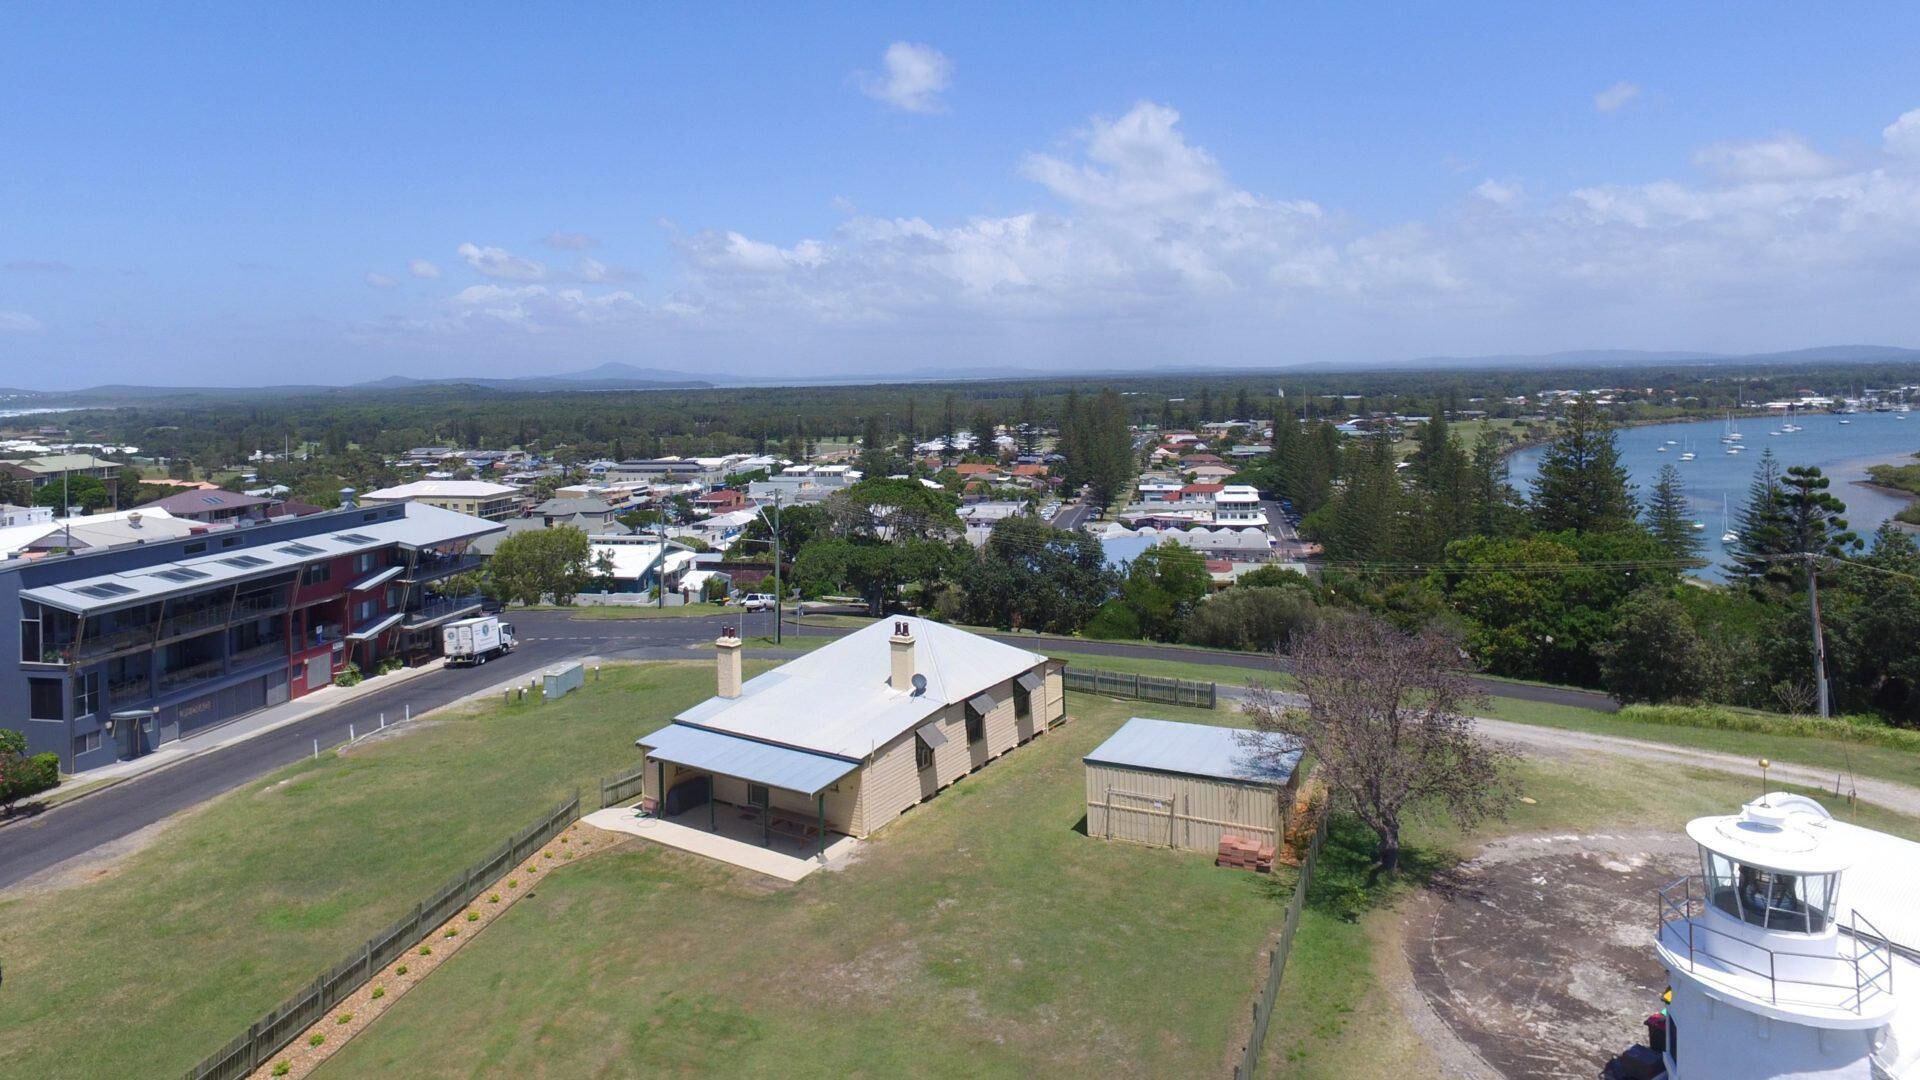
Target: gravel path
column 1558, row 742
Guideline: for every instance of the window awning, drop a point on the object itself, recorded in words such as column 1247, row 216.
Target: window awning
column 378, row 577
column 376, row 629
column 980, row 704
column 932, row 735
column 748, row 759
column 1029, row 682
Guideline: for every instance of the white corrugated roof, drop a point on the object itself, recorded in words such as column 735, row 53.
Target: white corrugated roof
column 836, row 700
column 442, row 489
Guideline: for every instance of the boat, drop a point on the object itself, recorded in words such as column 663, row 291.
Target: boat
column 1727, row 535
column 1673, row 442
column 1686, row 455
column 1699, row 526
column 1659, row 449
column 1734, row 449
column 1733, row 431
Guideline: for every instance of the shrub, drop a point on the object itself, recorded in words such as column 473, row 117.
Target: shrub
column 473, row 916
column 343, row 1018
column 349, row 675
column 513, row 883
column 494, row 899
column 282, row 1068
column 378, row 993
column 20, row 775
column 1255, row 619
column 317, row 1039
column 450, row 932
column 426, row 950
column 546, row 854
column 401, row 970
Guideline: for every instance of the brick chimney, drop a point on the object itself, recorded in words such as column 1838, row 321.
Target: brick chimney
column 901, row 647
column 728, row 649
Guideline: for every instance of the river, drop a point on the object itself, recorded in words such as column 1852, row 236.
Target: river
column 1841, row 449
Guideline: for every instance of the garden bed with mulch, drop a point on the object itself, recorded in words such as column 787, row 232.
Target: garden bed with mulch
column 319, row 1042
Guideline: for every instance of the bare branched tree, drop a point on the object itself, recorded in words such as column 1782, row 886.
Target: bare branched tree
column 1388, row 724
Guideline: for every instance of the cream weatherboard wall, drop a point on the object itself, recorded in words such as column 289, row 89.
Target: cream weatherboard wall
column 1173, row 810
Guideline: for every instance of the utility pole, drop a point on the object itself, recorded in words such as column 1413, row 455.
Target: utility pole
column 776, row 567
column 660, row 576
column 1819, row 639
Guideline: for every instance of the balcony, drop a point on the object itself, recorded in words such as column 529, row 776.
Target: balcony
column 189, row 622
column 256, row 605
column 129, row 688
column 192, row 673
column 431, row 567
column 254, row 653
column 95, row 646
column 441, row 607
column 1854, row 978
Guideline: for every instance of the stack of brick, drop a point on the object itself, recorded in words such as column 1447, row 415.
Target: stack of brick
column 1242, row 854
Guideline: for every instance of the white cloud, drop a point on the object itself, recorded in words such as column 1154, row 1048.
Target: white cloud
column 19, row 322
column 1902, row 137
column 915, row 77
column 1141, row 247
column 570, row 241
column 377, row 280
column 1499, row 192
column 592, row 270
column 499, row 263
column 1786, row 156
column 421, row 268
column 1615, row 97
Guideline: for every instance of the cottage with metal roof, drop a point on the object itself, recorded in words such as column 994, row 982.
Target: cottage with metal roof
column 851, row 736
column 1181, row 785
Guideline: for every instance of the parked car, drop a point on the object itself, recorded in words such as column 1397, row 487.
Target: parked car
column 758, row 601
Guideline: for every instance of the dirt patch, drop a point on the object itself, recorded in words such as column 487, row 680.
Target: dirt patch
column 1537, row 955
column 367, row 1004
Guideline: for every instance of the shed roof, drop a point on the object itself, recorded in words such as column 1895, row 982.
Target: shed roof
column 749, row 759
column 1215, row 753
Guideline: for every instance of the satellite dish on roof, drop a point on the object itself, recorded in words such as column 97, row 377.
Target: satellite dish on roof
column 919, row 684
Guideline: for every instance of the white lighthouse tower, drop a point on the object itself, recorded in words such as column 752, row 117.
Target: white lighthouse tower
column 1776, row 966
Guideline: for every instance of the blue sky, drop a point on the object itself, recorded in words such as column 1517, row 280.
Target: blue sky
column 233, row 194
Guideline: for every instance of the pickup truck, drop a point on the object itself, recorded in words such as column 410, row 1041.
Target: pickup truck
column 757, row 601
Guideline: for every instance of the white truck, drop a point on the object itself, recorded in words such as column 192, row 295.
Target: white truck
column 476, row 640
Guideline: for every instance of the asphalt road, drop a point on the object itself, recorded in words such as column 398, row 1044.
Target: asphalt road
column 546, row 637
column 1072, row 516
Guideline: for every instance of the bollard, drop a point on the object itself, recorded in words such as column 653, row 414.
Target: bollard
column 383, row 719
column 350, row 734
column 316, row 749
column 407, row 713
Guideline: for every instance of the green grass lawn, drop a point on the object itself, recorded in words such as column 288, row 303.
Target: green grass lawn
column 234, row 907
column 981, row 935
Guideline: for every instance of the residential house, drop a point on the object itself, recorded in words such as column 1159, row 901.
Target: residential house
column 637, row 562
column 214, row 507
column 588, row 513
column 721, row 501
column 1210, row 474
column 51, row 468
column 11, row 515
column 478, row 498
column 851, row 736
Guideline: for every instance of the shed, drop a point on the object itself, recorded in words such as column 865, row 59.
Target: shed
column 1186, row 785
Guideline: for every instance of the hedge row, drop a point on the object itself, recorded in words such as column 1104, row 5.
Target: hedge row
column 1858, row 730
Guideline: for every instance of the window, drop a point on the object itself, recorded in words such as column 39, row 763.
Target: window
column 1022, row 702
column 363, row 562
column 195, row 548
column 29, row 632
column 229, row 541
column 365, row 609
column 86, row 744
column 45, row 700
column 317, row 573
column 86, row 694
column 922, row 753
column 976, row 726
column 757, row 795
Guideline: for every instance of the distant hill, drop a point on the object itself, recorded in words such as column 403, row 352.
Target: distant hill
column 1604, row 358
column 609, row 376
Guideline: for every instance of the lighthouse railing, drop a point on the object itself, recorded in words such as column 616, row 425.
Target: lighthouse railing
column 1846, row 981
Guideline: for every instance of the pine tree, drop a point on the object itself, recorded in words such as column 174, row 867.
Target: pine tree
column 949, row 428
column 1029, row 434
column 1242, row 406
column 1757, row 525
column 1667, row 516
column 1582, row 487
column 1496, row 505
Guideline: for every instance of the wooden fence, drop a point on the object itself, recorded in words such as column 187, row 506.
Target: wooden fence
column 615, row 790
column 276, row 1029
column 1277, row 962
column 1144, row 687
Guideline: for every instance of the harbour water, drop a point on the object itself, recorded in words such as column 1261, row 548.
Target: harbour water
column 1841, row 450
